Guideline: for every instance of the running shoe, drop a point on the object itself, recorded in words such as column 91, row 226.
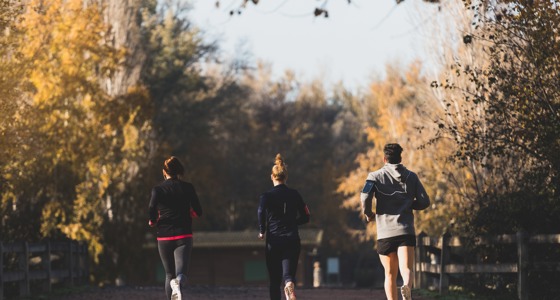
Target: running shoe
column 405, row 292
column 175, row 289
column 289, row 290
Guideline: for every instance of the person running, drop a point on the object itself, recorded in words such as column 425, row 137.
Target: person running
column 281, row 210
column 398, row 192
column 173, row 205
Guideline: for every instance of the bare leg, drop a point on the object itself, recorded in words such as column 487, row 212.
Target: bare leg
column 406, row 261
column 391, row 265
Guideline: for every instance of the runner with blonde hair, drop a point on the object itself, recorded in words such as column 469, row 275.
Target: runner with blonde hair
column 281, row 210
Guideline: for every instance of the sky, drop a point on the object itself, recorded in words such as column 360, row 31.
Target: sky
column 352, row 45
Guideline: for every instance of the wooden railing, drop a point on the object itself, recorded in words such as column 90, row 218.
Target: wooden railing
column 42, row 264
column 433, row 259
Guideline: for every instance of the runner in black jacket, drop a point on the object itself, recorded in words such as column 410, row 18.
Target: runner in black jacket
column 172, row 206
column 281, row 210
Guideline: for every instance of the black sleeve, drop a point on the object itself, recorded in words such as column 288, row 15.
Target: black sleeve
column 261, row 214
column 303, row 211
column 152, row 209
column 195, row 203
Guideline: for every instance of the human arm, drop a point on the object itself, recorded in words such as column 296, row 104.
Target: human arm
column 261, row 215
column 366, row 198
column 421, row 199
column 303, row 210
column 196, row 209
column 153, row 213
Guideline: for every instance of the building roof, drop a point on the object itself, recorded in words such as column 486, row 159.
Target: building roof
column 239, row 239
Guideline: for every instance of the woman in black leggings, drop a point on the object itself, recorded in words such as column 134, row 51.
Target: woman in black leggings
column 281, row 210
column 173, row 205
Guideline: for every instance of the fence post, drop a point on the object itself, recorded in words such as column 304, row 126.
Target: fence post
column 523, row 262
column 70, row 264
column 444, row 261
column 86, row 262
column 1, row 271
column 46, row 261
column 420, row 255
column 24, row 266
column 82, row 257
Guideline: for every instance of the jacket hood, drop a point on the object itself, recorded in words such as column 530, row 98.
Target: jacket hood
column 397, row 171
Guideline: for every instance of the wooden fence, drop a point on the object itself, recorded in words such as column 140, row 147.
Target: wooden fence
column 39, row 265
column 433, row 259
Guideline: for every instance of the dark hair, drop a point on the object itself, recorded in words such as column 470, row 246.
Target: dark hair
column 173, row 167
column 280, row 169
column 393, row 153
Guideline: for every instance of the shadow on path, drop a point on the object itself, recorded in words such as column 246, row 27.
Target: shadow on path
column 231, row 293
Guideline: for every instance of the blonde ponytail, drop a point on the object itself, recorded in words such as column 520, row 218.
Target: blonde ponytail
column 280, row 169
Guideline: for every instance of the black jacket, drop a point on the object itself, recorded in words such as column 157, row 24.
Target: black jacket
column 281, row 210
column 173, row 205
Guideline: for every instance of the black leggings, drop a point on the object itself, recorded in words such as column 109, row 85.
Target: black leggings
column 281, row 261
column 175, row 256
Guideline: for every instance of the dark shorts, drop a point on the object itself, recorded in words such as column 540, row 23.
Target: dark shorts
column 388, row 245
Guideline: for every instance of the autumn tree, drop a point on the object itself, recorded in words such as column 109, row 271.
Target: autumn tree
column 394, row 113
column 78, row 147
column 504, row 117
column 500, row 108
column 10, row 87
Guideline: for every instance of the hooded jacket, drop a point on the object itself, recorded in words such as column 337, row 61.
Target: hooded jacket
column 398, row 192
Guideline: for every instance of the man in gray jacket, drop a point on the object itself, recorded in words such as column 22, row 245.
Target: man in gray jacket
column 398, row 192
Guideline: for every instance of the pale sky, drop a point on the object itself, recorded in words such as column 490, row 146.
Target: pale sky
column 353, row 44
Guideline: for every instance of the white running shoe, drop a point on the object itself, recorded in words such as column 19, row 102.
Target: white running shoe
column 289, row 291
column 175, row 289
column 405, row 292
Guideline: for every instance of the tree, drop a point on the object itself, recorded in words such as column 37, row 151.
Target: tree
column 77, row 145
column 391, row 108
column 505, row 118
column 10, row 87
column 238, row 7
column 500, row 108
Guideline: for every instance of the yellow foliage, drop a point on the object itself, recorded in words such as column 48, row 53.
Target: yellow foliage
column 398, row 106
column 71, row 123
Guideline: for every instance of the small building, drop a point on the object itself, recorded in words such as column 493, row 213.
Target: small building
column 232, row 258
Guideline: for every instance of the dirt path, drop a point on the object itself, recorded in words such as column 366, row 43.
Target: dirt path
column 232, row 293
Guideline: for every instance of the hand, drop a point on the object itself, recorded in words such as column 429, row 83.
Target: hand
column 261, row 236
column 151, row 224
column 370, row 218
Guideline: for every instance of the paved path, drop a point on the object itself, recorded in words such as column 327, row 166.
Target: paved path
column 231, row 293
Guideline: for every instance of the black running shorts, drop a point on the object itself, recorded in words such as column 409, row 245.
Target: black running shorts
column 388, row 245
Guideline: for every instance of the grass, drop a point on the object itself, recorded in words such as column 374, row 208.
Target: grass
column 458, row 293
